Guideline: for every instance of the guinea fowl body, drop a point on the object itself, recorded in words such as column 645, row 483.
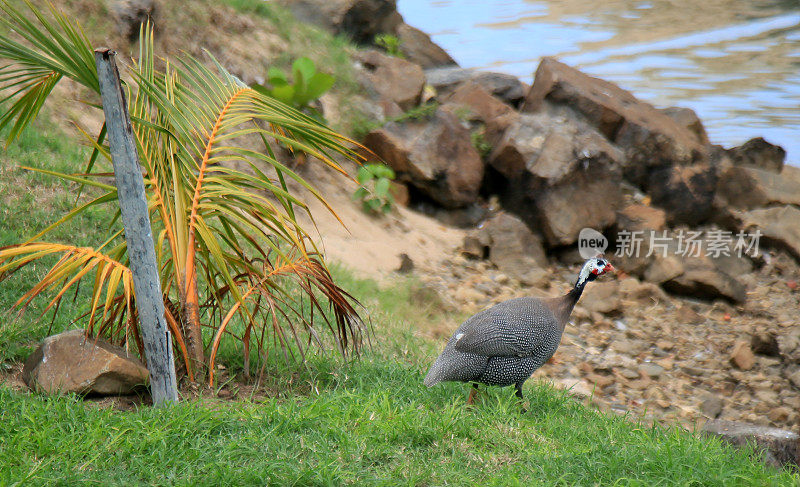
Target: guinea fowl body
column 503, row 345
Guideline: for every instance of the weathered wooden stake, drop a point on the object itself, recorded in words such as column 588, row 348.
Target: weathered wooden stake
column 139, row 235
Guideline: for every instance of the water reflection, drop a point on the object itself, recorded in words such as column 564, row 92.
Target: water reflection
column 737, row 63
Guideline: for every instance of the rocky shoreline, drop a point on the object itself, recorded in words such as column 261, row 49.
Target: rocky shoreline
column 687, row 332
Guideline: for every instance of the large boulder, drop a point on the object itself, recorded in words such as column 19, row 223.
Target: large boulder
column 779, row 226
column 392, row 78
column 686, row 193
column 361, row 20
column 759, row 153
column 418, row 48
column 71, row 362
column 634, row 225
column 568, row 170
column 650, row 138
column 435, row 155
column 778, row 447
column 504, row 86
column 748, row 187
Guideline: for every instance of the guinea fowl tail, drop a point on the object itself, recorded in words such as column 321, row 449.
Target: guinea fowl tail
column 435, row 374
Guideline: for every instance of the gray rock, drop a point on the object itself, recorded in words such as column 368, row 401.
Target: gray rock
column 418, row 48
column 686, row 193
column 652, row 370
column 779, row 447
column 780, row 226
column 70, row 362
column 361, row 20
column 751, row 187
column 765, row 343
column 711, row 406
column 759, row 153
column 687, row 118
column 394, row 79
column 514, row 248
column 504, row 86
column 649, row 138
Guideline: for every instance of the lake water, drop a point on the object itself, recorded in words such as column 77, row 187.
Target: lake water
column 735, row 62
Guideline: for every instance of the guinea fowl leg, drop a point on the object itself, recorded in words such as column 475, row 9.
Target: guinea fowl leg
column 472, row 393
column 520, row 396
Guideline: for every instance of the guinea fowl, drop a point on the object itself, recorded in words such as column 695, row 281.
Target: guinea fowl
column 505, row 344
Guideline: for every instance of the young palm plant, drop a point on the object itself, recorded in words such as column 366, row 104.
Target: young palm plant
column 232, row 255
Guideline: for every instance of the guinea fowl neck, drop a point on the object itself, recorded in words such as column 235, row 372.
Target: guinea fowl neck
column 567, row 302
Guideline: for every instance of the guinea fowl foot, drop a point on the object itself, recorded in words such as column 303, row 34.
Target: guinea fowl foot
column 523, row 410
column 472, row 393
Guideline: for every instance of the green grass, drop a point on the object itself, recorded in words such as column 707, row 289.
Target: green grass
column 30, row 202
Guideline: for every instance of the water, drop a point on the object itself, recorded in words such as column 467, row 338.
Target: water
column 735, row 62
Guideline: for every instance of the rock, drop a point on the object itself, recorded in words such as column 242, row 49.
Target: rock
column 652, row 370
column 602, row 297
column 406, row 264
column 418, row 48
column 434, row 155
column 504, row 86
column 361, row 20
column 649, row 138
column 794, row 378
column 394, row 79
column 687, row 118
column 640, row 217
column 742, row 357
column 750, row 187
column 514, row 248
column 686, row 193
column 779, row 447
column 765, row 343
column 711, row 406
column 687, row 315
column 70, row 362
column 759, row 153
column 129, row 15
column 778, row 225
column 399, row 192
column 480, row 105
column 565, row 168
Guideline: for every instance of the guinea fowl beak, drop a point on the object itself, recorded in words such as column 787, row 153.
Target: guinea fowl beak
column 608, row 268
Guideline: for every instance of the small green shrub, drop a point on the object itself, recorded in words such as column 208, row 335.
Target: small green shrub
column 478, row 139
column 307, row 84
column 390, row 44
column 375, row 181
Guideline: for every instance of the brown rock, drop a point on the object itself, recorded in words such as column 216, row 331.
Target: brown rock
column 435, row 155
column 687, row 315
column 687, row 118
column 742, row 357
column 602, row 297
column 480, row 104
column 686, row 193
column 779, row 447
column 759, row 153
column 640, row 217
column 750, row 187
column 418, row 48
column 514, row 248
column 394, row 79
column 504, row 86
column 779, row 226
column 554, row 160
column 649, row 137
column 70, row 362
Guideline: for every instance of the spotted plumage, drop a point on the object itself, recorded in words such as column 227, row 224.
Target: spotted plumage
column 505, row 344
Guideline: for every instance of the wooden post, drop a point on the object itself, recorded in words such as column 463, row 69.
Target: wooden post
column 138, row 233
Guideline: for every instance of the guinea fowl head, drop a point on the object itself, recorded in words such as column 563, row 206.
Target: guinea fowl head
column 592, row 269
